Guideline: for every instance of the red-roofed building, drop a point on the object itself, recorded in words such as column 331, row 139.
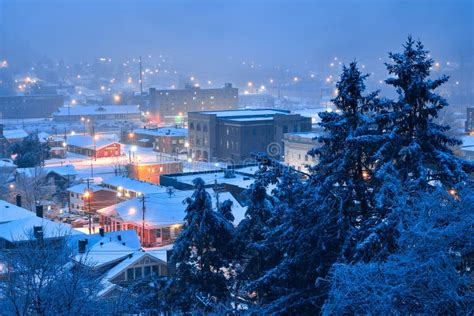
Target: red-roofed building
column 92, row 147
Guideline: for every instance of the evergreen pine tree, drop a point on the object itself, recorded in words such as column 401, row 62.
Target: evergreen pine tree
column 30, row 152
column 202, row 255
column 416, row 145
column 317, row 217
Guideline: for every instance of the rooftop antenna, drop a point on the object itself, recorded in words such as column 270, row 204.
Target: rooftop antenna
column 141, row 79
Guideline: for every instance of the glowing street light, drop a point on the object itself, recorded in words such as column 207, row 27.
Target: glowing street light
column 132, row 211
column 249, row 84
column 117, row 98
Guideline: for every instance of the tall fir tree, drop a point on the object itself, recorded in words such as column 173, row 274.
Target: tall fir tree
column 202, row 254
column 417, row 146
column 317, row 216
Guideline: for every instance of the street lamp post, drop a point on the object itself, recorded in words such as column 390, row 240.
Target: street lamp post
column 88, row 196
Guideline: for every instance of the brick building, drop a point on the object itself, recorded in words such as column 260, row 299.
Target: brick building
column 151, row 171
column 234, row 135
column 29, row 106
column 93, row 146
column 173, row 105
column 169, row 140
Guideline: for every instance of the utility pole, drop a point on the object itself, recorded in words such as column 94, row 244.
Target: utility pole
column 143, row 218
column 93, row 139
column 141, row 78
column 88, row 196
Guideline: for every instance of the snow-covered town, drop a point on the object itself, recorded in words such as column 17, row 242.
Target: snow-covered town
column 240, row 157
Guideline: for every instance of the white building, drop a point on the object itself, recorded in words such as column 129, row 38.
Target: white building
column 97, row 113
column 297, row 146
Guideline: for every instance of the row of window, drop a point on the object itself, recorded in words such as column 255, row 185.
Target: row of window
column 140, row 272
column 198, row 127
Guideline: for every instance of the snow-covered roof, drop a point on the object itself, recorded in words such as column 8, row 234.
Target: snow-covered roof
column 242, row 181
column 162, row 131
column 82, row 187
column 468, row 141
column 164, row 210
column 64, row 170
column 14, row 133
column 132, row 259
column 103, row 253
column 22, row 229
column 127, row 238
column 246, row 113
column 160, row 252
column 133, row 185
column 43, row 137
column 10, row 212
column 89, row 110
column 7, row 164
column 86, row 141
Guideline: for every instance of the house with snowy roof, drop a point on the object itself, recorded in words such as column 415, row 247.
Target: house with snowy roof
column 93, row 146
column 55, row 177
column 160, row 214
column 18, row 225
column 81, row 196
column 15, row 135
column 118, row 257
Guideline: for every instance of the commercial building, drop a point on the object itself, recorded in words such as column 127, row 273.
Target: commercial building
column 297, row 146
column 235, row 135
column 172, row 105
column 98, row 113
column 151, row 171
column 93, row 146
column 168, row 140
column 29, row 106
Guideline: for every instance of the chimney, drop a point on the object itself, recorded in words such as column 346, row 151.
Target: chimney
column 38, row 232
column 101, row 231
column 82, row 245
column 18, row 200
column 119, row 237
column 39, row 211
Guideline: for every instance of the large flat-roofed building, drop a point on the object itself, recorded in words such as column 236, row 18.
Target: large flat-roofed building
column 29, row 106
column 98, row 113
column 235, row 135
column 297, row 146
column 169, row 140
column 173, row 105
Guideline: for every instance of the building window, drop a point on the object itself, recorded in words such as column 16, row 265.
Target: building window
column 204, row 128
column 198, row 127
column 191, row 126
column 138, row 272
column 285, row 128
column 147, row 270
column 130, row 274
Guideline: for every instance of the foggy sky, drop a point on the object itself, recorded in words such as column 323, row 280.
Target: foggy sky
column 214, row 34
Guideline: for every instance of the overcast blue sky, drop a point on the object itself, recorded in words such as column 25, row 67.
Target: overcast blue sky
column 210, row 33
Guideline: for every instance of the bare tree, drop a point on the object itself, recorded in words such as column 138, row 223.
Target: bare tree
column 41, row 279
column 33, row 186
